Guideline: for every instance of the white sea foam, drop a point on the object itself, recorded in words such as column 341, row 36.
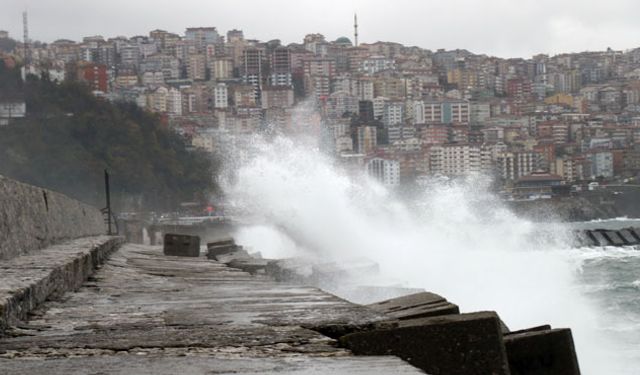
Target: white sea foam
column 456, row 240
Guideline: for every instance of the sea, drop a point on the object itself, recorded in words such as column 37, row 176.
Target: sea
column 610, row 278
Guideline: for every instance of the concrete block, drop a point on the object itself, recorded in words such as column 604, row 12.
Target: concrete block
column 628, row 237
column 236, row 255
column 582, row 238
column 466, row 344
column 614, row 238
column 292, row 269
column 368, row 294
column 215, row 251
column 414, row 306
column 181, row 245
column 253, row 266
column 598, row 238
column 221, row 242
column 545, row 327
column 545, row 352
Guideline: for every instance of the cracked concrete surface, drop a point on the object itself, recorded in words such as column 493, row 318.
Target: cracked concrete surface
column 145, row 313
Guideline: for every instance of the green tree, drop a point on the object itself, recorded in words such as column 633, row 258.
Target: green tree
column 69, row 137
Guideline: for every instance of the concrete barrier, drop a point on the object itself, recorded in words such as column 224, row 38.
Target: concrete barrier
column 415, row 306
column 181, row 245
column 466, row 344
column 542, row 352
column 607, row 237
column 32, row 218
column 27, row 281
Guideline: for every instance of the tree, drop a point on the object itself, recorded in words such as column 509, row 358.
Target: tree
column 69, row 137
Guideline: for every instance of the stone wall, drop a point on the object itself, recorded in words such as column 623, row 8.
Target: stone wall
column 32, row 218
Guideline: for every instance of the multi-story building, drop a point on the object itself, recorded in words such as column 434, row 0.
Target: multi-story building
column 445, row 112
column 379, row 104
column 436, row 134
column 152, row 78
column 168, row 65
column 252, row 69
column 130, row 55
column 197, row 67
column 392, row 113
column 384, row 170
column 601, row 164
column 174, row 101
column 277, row 97
column 479, row 112
column 375, row 64
column 220, row 96
column 10, row 109
column 243, row 95
column 221, row 67
column 200, row 37
column 95, row 75
column 513, row 165
column 281, row 67
column 318, row 73
column 457, row 160
column 235, row 36
column 367, row 139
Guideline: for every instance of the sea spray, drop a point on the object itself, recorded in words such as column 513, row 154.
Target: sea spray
column 456, row 239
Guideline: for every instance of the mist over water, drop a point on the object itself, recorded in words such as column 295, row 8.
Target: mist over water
column 456, row 239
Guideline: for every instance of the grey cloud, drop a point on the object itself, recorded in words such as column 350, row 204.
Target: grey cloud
column 499, row 27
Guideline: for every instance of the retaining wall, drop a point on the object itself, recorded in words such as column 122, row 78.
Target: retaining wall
column 32, row 218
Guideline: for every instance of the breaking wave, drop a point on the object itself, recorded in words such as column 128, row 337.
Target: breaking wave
column 455, row 239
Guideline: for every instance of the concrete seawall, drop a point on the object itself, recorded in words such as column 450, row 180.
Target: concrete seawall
column 32, row 218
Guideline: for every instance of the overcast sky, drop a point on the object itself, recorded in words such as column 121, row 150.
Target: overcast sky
column 506, row 28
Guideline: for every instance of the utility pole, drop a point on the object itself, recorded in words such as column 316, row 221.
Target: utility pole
column 108, row 195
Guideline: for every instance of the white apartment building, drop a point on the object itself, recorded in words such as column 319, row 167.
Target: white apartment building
column 375, row 64
column 459, row 160
column 513, row 165
column 174, row 101
column 378, row 106
column 392, row 114
column 384, row 170
column 220, row 96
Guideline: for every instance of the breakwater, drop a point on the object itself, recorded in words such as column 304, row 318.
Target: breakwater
column 422, row 328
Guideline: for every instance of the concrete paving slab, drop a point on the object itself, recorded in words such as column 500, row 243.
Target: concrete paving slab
column 142, row 364
column 144, row 312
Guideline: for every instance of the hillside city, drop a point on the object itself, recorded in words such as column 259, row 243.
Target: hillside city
column 539, row 125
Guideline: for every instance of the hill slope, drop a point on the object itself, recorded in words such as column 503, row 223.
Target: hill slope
column 69, row 137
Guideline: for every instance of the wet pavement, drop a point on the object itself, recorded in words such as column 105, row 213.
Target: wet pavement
column 146, row 313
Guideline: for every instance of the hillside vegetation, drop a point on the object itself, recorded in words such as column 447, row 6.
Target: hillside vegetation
column 69, row 137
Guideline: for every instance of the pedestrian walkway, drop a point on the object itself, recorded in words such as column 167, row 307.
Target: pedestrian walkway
column 146, row 313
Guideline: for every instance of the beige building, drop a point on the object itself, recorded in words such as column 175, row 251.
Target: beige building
column 197, row 67
column 277, row 97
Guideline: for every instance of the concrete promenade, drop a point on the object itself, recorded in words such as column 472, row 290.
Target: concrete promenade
column 146, row 313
